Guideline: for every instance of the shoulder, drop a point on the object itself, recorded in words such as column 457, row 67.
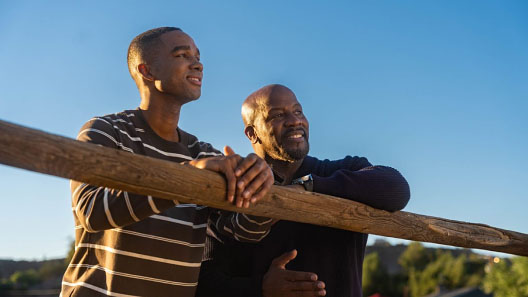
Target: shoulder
column 348, row 162
column 111, row 121
column 108, row 129
column 198, row 148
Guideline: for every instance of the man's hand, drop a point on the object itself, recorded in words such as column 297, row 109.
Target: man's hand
column 279, row 282
column 248, row 179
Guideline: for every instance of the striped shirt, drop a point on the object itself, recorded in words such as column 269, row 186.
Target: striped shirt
column 132, row 245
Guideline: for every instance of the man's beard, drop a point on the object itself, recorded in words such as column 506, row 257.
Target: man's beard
column 289, row 155
column 297, row 154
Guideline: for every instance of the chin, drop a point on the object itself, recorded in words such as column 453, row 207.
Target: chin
column 296, row 155
column 191, row 97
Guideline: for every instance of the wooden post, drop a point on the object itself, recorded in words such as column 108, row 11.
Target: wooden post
column 60, row 156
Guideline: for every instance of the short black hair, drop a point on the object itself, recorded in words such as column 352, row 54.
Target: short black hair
column 144, row 46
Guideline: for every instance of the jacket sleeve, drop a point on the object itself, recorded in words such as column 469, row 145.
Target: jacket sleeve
column 241, row 227
column 101, row 208
column 356, row 179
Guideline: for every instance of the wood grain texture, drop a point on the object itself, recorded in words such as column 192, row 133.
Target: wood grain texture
column 64, row 157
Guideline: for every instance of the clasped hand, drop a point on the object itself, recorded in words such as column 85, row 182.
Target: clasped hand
column 248, row 179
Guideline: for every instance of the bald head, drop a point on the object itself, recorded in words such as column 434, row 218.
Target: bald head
column 275, row 124
column 258, row 101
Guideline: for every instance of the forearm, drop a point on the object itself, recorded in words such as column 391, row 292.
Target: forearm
column 377, row 186
column 100, row 208
column 242, row 227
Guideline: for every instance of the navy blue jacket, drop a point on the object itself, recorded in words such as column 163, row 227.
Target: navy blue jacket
column 236, row 269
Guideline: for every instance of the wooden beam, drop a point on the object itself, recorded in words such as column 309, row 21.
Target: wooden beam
column 64, row 157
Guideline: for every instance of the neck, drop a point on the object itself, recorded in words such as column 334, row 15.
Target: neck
column 162, row 113
column 284, row 169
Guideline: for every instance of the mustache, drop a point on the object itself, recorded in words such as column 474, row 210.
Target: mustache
column 292, row 130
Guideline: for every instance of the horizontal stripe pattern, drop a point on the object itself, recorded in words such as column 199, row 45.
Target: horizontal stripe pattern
column 131, row 245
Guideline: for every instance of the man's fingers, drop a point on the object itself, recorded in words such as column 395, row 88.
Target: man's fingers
column 228, row 151
column 299, row 276
column 307, row 286
column 284, row 259
column 254, row 178
column 246, row 164
column 230, row 163
column 231, row 183
column 264, row 189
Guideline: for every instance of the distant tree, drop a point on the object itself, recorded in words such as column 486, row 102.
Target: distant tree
column 426, row 270
column 415, row 257
column 24, row 279
column 423, row 271
column 5, row 285
column 432, row 276
column 51, row 269
column 375, row 276
column 508, row 279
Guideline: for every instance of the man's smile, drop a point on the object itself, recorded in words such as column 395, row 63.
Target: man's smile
column 195, row 80
column 295, row 135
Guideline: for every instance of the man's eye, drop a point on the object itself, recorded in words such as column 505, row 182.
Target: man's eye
column 298, row 112
column 277, row 115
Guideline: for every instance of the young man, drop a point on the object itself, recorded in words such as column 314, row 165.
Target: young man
column 132, row 245
column 278, row 131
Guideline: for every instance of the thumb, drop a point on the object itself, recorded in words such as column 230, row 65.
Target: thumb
column 282, row 260
column 228, row 150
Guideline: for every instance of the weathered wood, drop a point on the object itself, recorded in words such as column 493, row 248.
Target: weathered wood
column 56, row 155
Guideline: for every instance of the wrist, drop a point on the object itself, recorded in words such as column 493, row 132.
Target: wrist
column 305, row 181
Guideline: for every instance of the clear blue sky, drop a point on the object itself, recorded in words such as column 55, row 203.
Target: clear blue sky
column 436, row 89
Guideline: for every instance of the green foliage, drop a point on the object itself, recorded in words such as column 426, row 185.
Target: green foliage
column 424, row 270
column 51, row 269
column 415, row 257
column 5, row 285
column 377, row 280
column 433, row 275
column 447, row 272
column 508, row 279
column 24, row 279
column 375, row 276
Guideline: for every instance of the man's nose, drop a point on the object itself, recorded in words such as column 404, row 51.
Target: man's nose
column 293, row 120
column 197, row 65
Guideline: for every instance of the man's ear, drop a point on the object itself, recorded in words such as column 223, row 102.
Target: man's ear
column 144, row 71
column 251, row 134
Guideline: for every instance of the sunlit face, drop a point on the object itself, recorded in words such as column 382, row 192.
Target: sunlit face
column 282, row 127
column 177, row 68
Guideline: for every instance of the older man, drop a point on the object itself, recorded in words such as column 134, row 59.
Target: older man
column 321, row 261
column 132, row 245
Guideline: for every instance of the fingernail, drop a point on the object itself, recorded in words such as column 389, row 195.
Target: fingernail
column 240, row 184
column 320, row 285
column 246, row 194
column 313, row 277
column 237, row 172
column 253, row 200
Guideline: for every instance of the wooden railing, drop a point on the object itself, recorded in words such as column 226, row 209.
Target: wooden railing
column 64, row 157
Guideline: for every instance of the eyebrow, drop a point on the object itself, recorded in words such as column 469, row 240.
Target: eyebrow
column 281, row 108
column 275, row 109
column 183, row 47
